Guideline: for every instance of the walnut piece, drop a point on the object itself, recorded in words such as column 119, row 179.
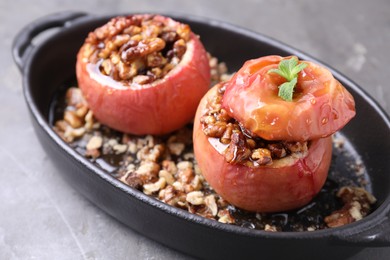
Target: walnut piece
column 357, row 204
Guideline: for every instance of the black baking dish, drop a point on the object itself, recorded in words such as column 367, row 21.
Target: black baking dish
column 49, row 64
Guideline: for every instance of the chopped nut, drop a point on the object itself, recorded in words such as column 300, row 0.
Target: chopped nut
column 148, row 168
column 107, row 67
column 156, row 152
column 155, row 60
column 197, row 170
column 225, row 77
column 132, row 147
column 184, row 165
column 354, row 211
column 213, row 62
column 186, row 175
column 223, row 116
column 357, row 204
column 134, row 181
column 179, row 48
column 172, row 196
column 184, row 31
column 115, row 59
column 120, row 148
column 270, row 228
column 195, row 197
column 167, row 176
column 237, row 150
column 296, row 146
column 226, row 137
column 78, row 132
column 277, row 150
column 169, row 36
column 225, row 217
column 72, row 118
column 121, row 39
column 142, row 79
column 262, row 156
column 89, row 121
column 178, row 186
column 311, row 229
column 81, row 111
column 211, row 204
column 61, row 125
column 348, row 193
column 145, row 153
column 196, row 183
column 176, row 148
column 251, row 143
column 141, row 49
column 112, row 142
column 188, row 156
column 74, row 97
column 170, row 166
column 132, row 30
column 222, row 69
column 154, row 187
column 95, row 143
column 208, row 119
column 215, row 130
column 130, row 167
column 150, row 142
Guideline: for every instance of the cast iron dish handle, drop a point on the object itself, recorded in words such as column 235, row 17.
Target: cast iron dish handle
column 23, row 44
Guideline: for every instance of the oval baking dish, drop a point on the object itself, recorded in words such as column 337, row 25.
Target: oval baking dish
column 50, row 64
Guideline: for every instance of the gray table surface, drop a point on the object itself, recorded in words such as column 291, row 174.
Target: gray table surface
column 42, row 217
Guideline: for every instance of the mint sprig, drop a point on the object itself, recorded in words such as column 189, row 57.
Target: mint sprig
column 289, row 70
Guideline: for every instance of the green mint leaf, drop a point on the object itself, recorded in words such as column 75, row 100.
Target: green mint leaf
column 278, row 71
column 287, row 66
column 289, row 70
column 298, row 68
column 286, row 89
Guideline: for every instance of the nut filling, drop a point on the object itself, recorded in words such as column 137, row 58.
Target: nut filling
column 164, row 167
column 137, row 49
column 241, row 145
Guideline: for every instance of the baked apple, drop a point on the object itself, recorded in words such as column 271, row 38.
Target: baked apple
column 143, row 74
column 241, row 151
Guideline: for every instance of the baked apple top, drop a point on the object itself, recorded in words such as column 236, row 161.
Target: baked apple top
column 281, row 98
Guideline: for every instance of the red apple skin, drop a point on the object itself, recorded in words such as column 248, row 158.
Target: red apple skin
column 157, row 108
column 286, row 184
